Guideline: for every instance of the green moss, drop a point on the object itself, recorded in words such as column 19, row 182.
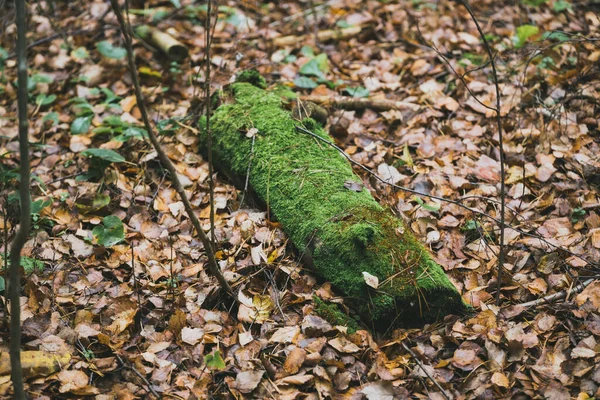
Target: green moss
column 332, row 314
column 253, row 77
column 340, row 231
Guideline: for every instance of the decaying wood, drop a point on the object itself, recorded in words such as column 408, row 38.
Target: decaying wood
column 354, row 103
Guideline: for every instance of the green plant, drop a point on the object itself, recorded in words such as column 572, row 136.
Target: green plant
column 37, row 220
column 109, row 51
column 523, row 34
column 100, row 160
column 214, row 360
column 110, row 232
column 577, row 214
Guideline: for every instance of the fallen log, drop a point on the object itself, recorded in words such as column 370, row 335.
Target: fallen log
column 349, row 239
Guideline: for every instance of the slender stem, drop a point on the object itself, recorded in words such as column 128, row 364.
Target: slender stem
column 14, row 280
column 211, row 182
column 502, row 251
column 165, row 161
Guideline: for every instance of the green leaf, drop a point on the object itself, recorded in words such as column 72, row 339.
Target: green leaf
column 110, row 232
column 470, row 225
column 558, row 36
column 535, row 3
column 577, row 214
column 81, row 125
column 562, row 5
column 2, row 282
column 434, row 207
column 38, row 205
column 51, row 116
column 131, row 132
column 358, row 91
column 104, row 154
column 43, row 99
column 305, row 83
column 109, row 51
column 322, row 62
column 31, row 265
column 524, row 32
column 99, row 201
column 110, row 95
column 80, row 53
column 113, row 120
column 311, row 68
column 41, row 78
column 307, row 51
column 214, row 360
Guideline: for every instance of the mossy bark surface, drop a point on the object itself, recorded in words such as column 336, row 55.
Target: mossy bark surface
column 341, row 232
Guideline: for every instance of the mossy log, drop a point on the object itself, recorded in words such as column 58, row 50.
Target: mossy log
column 341, row 232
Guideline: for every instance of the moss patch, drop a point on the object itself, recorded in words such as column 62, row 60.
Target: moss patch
column 339, row 231
column 332, row 314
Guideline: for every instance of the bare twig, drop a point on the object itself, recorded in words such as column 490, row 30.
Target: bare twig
column 138, row 373
column 450, row 201
column 436, row 383
column 212, row 262
column 211, row 181
column 357, row 103
column 14, row 287
column 557, row 296
column 502, row 251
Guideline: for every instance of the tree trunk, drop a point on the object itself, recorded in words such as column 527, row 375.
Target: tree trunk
column 336, row 226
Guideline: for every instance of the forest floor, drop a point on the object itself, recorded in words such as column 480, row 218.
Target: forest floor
column 127, row 310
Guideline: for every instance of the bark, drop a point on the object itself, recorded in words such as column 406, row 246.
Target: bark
column 166, row 43
column 339, row 231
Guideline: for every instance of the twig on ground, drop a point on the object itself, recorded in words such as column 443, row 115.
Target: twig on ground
column 450, row 201
column 212, row 262
column 436, row 383
column 354, row 103
column 557, row 296
column 138, row 373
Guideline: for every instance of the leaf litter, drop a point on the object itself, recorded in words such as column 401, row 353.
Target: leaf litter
column 98, row 322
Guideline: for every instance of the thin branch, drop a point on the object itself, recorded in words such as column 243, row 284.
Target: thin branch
column 14, row 280
column 212, row 262
column 450, row 201
column 557, row 296
column 436, row 383
column 138, row 373
column 502, row 251
column 211, row 181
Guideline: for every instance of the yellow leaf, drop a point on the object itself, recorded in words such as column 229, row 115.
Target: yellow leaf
column 35, row 363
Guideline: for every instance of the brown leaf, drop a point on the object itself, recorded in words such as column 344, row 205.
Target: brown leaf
column 294, row 360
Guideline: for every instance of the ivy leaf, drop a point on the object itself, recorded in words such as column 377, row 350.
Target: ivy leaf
column 43, row 99
column 110, row 232
column 51, row 116
column 311, row 68
column 358, row 91
column 524, row 32
column 104, row 154
column 109, row 51
column 81, row 125
column 80, row 53
column 304, row 82
column 38, row 205
column 214, row 360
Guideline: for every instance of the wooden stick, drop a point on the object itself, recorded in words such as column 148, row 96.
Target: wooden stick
column 360, row 103
column 212, row 262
